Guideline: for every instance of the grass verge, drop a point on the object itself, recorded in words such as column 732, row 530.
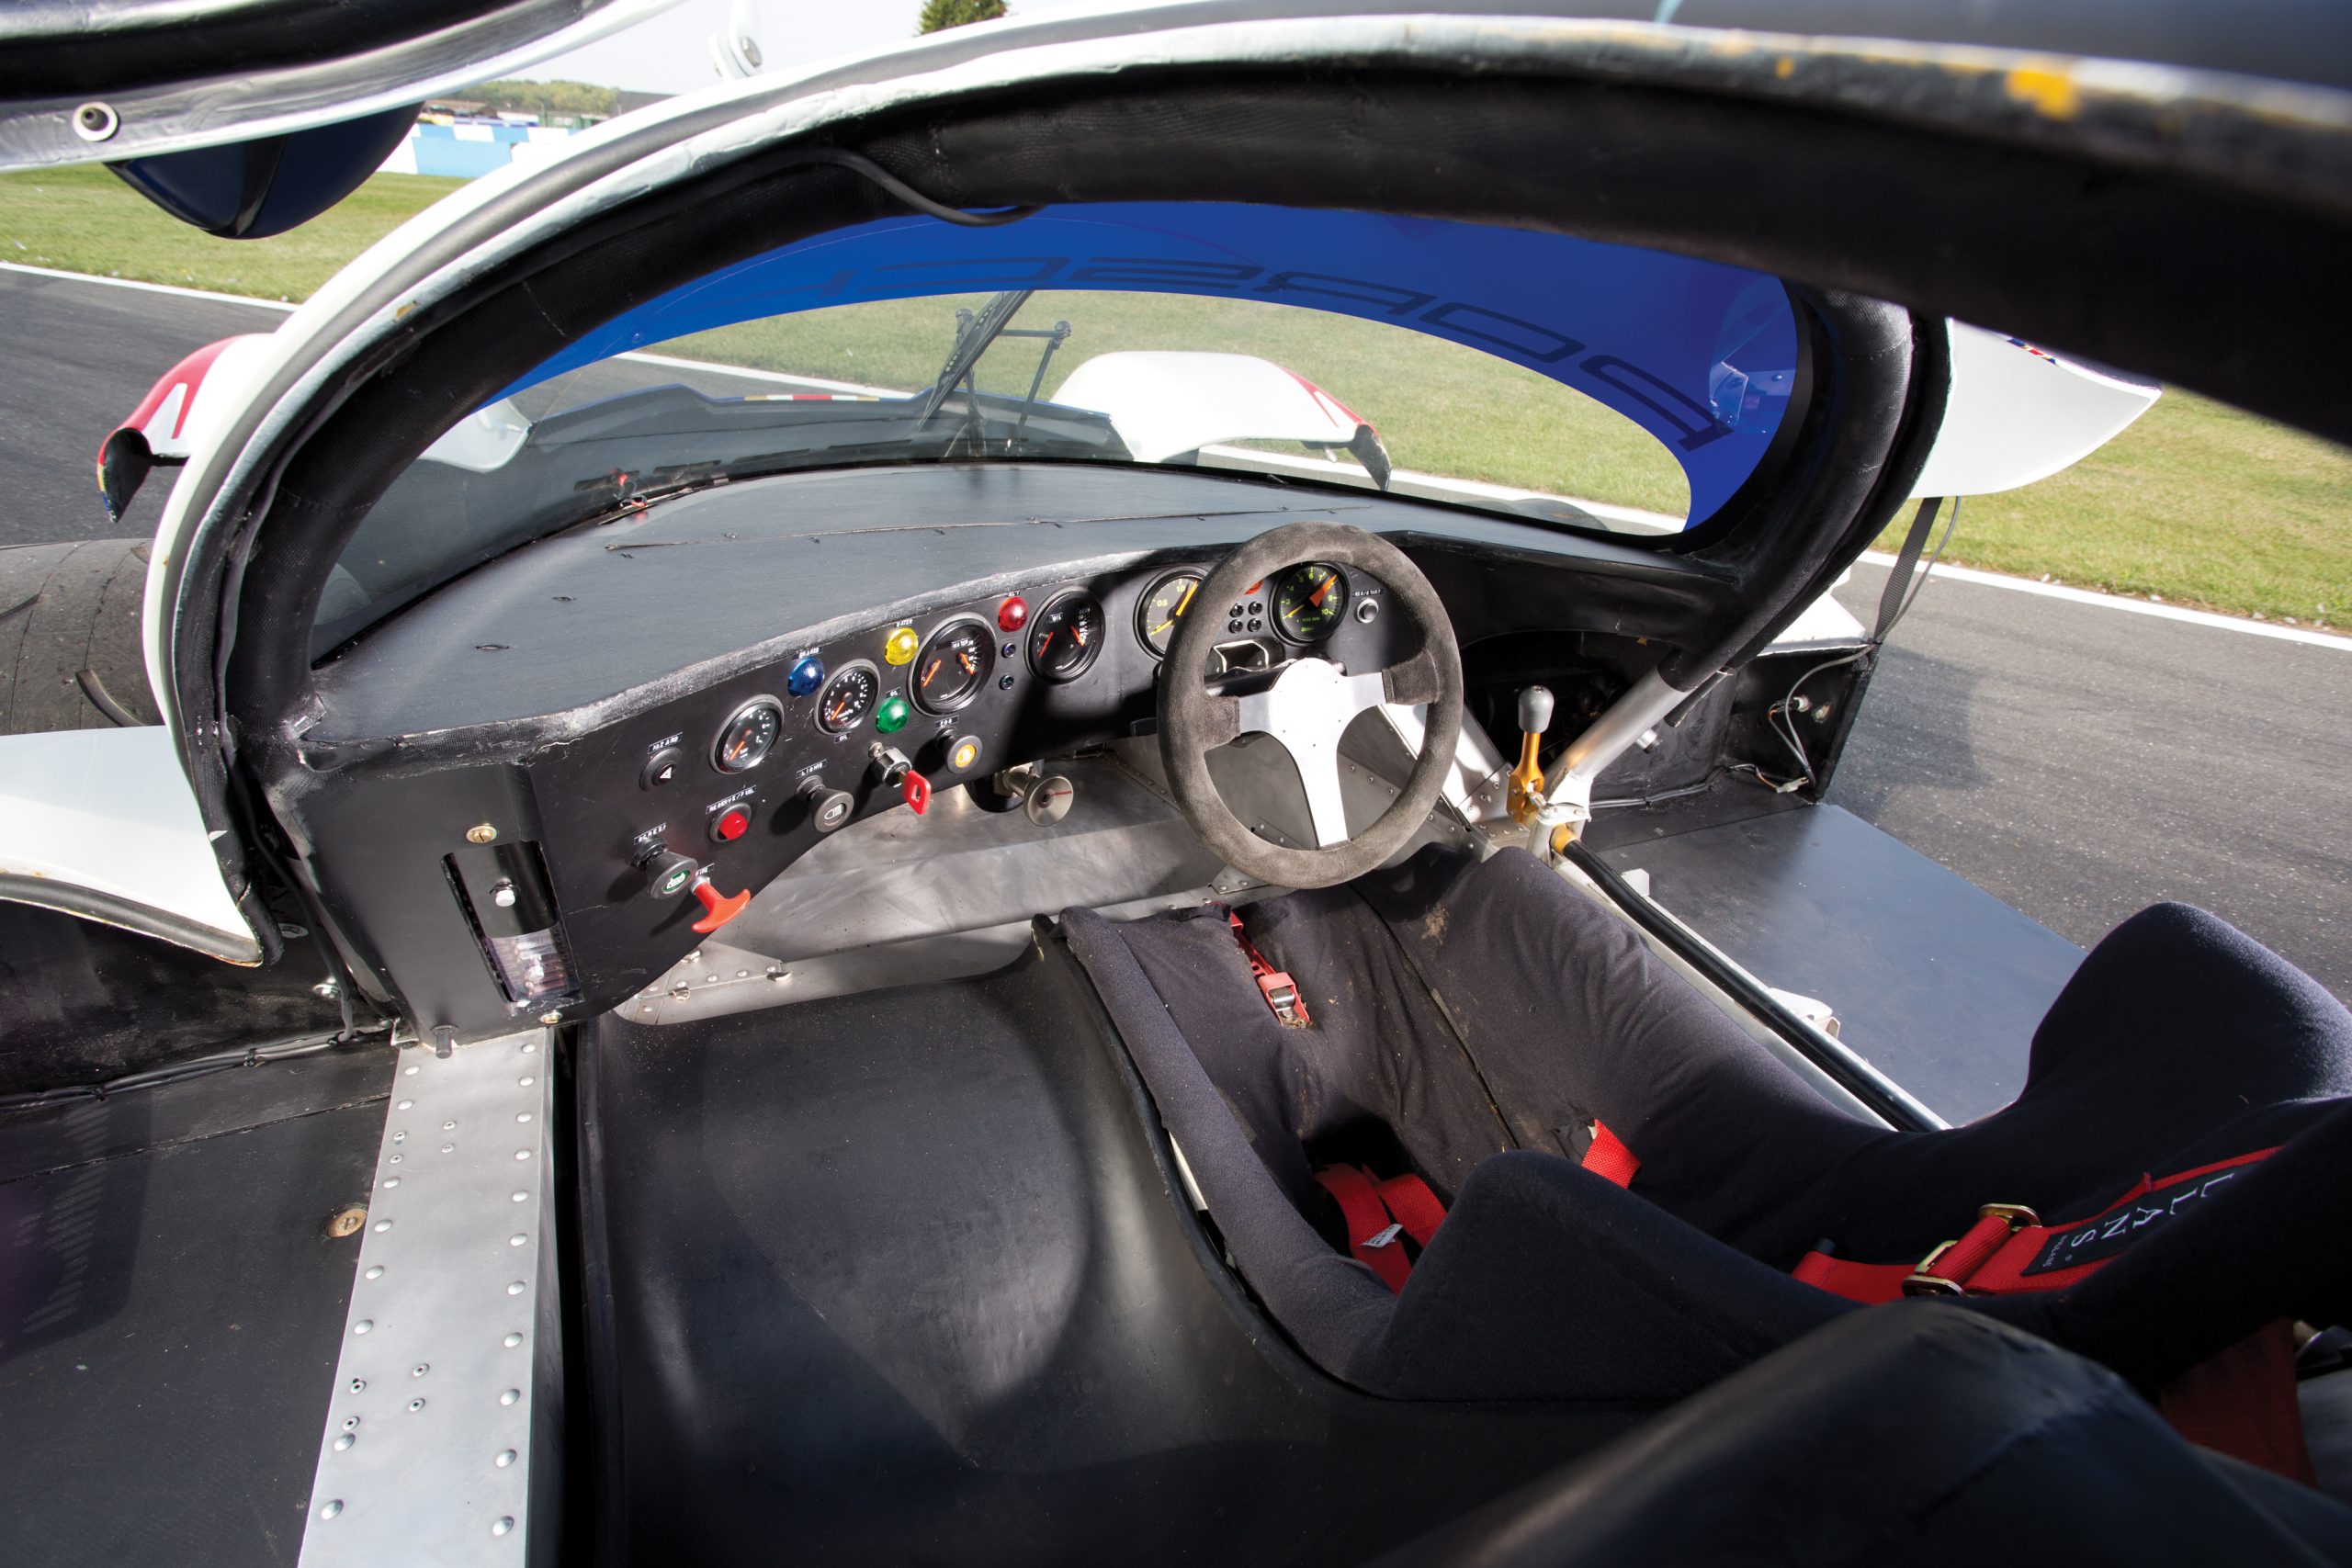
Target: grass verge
column 2197, row 504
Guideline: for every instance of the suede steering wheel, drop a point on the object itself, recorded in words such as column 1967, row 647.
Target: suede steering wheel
column 1306, row 708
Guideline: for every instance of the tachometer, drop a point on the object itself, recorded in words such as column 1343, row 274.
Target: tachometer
column 953, row 666
column 848, row 697
column 747, row 737
column 1066, row 635
column 1310, row 601
column 1161, row 608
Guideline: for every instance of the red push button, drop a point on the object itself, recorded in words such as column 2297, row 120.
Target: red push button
column 1013, row 614
column 733, row 824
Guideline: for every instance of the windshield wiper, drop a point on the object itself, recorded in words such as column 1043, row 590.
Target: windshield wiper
column 973, row 335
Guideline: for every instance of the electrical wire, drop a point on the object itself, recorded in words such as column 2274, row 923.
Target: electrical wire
column 858, row 163
column 1781, row 718
column 179, row 1072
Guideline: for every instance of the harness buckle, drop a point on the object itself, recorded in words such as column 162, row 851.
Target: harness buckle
column 1923, row 1280
column 1282, row 995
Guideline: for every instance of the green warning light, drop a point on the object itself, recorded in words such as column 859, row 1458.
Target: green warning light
column 891, row 716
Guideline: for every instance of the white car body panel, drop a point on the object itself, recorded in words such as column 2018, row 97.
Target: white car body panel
column 1164, row 404
column 2017, row 413
column 108, row 812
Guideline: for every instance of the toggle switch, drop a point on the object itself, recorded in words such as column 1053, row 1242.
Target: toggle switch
column 1527, row 779
column 717, row 908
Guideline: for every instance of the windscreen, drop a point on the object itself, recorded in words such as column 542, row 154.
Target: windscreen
column 1574, row 383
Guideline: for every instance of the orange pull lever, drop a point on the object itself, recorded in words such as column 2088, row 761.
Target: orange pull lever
column 717, row 908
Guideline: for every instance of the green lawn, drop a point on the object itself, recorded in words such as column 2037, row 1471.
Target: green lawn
column 85, row 220
column 2197, row 504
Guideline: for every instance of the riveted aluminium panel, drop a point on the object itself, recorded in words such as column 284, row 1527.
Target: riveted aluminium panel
column 427, row 1455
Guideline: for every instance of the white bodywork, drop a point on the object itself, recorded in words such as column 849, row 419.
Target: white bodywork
column 108, row 812
column 1167, row 404
column 2017, row 413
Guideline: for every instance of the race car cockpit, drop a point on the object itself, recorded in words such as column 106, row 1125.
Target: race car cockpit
column 952, row 748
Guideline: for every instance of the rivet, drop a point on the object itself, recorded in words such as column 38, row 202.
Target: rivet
column 516, row 1289
column 391, row 1181
column 522, row 1154
column 516, row 1240
column 359, row 1385
column 510, row 1396
column 504, row 1459
column 742, row 974
column 550, row 1019
column 396, row 1160
column 410, row 1070
column 522, row 1196
column 343, row 1442
column 363, row 1325
column 405, row 1105
column 383, row 1226
column 522, row 1116
column 419, row 1370
column 526, row 1080
column 529, row 1046
column 415, row 1404
column 448, row 1126
column 351, row 1423
column 331, row 1508
column 480, row 833
column 512, row 1340
column 399, row 1137
column 375, row 1270
column 448, row 1148
column 505, row 1523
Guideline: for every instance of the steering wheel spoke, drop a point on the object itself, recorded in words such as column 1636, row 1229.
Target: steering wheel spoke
column 1307, row 709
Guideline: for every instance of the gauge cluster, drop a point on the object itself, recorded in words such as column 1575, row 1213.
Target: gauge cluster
column 655, row 825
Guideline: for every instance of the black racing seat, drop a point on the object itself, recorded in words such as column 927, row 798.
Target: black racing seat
column 1472, row 1020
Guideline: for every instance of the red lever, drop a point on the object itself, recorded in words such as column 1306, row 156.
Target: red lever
column 917, row 789
column 717, row 908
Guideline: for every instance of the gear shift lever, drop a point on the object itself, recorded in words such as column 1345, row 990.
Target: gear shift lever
column 1527, row 779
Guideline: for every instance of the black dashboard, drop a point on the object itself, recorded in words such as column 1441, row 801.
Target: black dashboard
column 540, row 780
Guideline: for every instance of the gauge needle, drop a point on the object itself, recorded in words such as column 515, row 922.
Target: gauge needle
column 1316, row 598
column 834, row 713
column 964, row 659
column 929, row 672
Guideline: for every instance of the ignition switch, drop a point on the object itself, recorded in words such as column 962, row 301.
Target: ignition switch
column 892, row 770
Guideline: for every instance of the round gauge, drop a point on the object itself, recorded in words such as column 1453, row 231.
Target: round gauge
column 1161, row 608
column 1310, row 601
column 1064, row 637
column 848, row 697
column 745, row 740
column 953, row 666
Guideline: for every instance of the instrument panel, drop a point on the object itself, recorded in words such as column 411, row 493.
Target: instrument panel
column 655, row 825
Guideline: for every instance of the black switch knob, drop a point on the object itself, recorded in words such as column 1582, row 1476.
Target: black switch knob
column 667, row 873
column 828, row 807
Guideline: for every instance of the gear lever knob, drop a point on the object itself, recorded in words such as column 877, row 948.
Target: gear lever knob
column 1527, row 779
column 1536, row 710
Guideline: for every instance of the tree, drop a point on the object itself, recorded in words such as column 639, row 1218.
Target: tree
column 938, row 14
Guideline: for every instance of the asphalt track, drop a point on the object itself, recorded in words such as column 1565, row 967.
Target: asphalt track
column 2076, row 761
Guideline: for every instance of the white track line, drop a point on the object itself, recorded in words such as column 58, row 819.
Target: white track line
column 280, row 306
column 2135, row 606
column 667, row 362
column 1876, row 557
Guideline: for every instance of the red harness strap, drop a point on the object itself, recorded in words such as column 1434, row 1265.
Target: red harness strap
column 1275, row 985
column 1378, row 1211
column 1609, row 1158
column 2008, row 1249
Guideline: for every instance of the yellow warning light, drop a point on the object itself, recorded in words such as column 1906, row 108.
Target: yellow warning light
column 963, row 754
column 901, row 648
